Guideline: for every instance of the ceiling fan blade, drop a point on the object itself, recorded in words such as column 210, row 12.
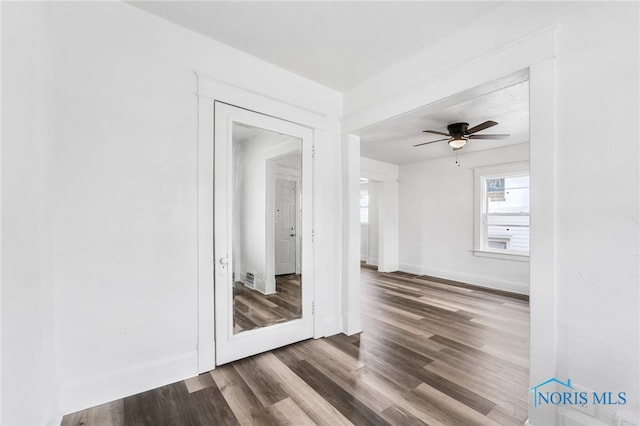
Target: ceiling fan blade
column 503, row 136
column 427, row 143
column 436, row 132
column 479, row 127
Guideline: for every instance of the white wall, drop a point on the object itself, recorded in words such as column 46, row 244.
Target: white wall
column 250, row 201
column 437, row 221
column 350, row 303
column 123, row 189
column 594, row 296
column 27, row 311
column 598, row 278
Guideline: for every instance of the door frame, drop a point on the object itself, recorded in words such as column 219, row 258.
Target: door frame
column 209, row 90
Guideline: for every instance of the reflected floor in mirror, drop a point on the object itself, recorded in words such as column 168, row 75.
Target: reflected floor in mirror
column 252, row 309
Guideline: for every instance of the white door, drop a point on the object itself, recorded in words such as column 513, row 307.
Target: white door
column 285, row 226
column 248, row 148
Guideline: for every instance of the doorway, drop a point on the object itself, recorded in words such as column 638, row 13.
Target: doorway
column 369, row 222
column 262, row 222
column 542, row 110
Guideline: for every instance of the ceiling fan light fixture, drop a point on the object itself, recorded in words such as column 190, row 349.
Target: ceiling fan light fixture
column 457, row 143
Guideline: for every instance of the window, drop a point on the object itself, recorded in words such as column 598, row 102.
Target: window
column 364, row 205
column 502, row 211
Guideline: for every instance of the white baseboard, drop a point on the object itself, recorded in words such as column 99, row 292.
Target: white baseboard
column 259, row 286
column 328, row 326
column 477, row 280
column 352, row 332
column 102, row 388
column 389, row 268
column 575, row 418
column 247, row 284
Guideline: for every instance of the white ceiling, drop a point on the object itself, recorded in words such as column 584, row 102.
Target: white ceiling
column 335, row 43
column 505, row 101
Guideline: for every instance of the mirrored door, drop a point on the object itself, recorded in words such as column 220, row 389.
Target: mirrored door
column 263, row 280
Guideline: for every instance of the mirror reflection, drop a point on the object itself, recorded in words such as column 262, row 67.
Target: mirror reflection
column 266, row 211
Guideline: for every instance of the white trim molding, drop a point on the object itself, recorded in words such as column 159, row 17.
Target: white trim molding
column 209, row 90
column 90, row 391
column 218, row 90
column 501, row 255
column 510, row 58
column 480, row 281
column 352, row 322
column 542, row 253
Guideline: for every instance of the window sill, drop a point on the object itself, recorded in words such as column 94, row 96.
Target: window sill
column 500, row 255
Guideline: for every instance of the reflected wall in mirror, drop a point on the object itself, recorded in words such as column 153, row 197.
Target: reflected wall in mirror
column 267, row 214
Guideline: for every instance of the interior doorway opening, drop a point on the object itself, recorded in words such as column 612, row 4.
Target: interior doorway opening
column 370, row 222
column 542, row 157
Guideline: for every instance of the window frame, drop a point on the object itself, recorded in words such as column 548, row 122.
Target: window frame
column 481, row 174
column 364, row 207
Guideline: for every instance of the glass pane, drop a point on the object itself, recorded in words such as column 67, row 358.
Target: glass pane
column 266, row 212
column 364, row 205
column 508, row 232
column 508, row 195
column 497, row 244
column 507, row 203
column 364, row 198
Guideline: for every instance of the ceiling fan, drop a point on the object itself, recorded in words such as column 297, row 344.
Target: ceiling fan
column 460, row 133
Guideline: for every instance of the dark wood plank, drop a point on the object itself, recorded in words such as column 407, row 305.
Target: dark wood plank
column 111, row 413
column 399, row 416
column 352, row 408
column 167, row 405
column 265, row 390
column 245, row 405
column 208, row 407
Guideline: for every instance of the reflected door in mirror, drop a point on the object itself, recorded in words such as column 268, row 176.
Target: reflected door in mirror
column 266, row 170
column 285, row 226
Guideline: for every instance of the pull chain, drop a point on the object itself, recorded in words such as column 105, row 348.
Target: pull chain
column 457, row 163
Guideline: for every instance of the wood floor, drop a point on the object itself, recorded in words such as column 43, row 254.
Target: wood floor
column 252, row 309
column 431, row 353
